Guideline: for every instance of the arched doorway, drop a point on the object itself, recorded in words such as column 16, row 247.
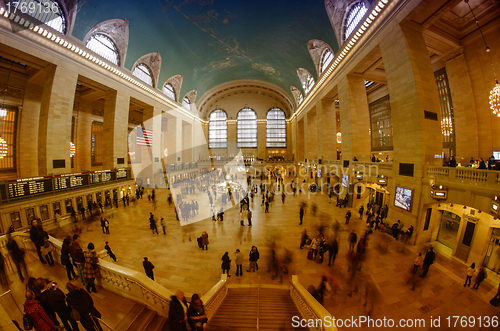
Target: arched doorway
column 448, row 229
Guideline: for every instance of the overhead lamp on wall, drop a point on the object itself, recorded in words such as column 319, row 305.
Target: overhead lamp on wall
column 439, row 192
column 495, row 92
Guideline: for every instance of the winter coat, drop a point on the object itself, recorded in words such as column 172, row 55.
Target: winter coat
column 41, row 322
column 90, row 271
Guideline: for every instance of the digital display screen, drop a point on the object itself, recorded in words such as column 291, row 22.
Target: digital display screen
column 496, row 155
column 29, row 186
column 102, row 176
column 345, row 180
column 319, row 173
column 403, row 198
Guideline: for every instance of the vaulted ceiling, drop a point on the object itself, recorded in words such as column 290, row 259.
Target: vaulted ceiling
column 211, row 42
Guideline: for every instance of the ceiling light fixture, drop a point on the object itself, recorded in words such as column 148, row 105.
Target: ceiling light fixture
column 495, row 92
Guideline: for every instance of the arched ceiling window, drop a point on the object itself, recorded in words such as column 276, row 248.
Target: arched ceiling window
column 276, row 128
column 217, row 129
column 186, row 104
column 48, row 12
column 301, row 98
column 142, row 72
column 354, row 16
column 168, row 90
column 105, row 47
column 308, row 84
column 326, row 59
column 246, row 132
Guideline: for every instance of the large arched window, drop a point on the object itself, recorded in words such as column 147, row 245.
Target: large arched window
column 246, row 133
column 104, row 46
column 354, row 16
column 301, row 98
column 308, row 84
column 326, row 59
column 142, row 72
column 217, row 129
column 48, row 12
column 186, row 104
column 168, row 90
column 276, row 128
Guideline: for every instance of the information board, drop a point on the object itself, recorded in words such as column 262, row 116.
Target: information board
column 62, row 182
column 102, row 176
column 29, row 186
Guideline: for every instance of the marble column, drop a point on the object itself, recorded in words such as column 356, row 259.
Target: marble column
column 116, row 111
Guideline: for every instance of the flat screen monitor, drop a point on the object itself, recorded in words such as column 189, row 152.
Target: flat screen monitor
column 496, row 155
column 495, row 207
column 319, row 173
column 403, row 198
column 345, row 180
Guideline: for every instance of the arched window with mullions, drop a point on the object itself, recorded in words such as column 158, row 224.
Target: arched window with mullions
column 186, row 104
column 276, row 128
column 308, row 84
column 354, row 16
column 48, row 12
column 168, row 90
column 326, row 59
column 104, row 46
column 217, row 129
column 246, row 132
column 142, row 72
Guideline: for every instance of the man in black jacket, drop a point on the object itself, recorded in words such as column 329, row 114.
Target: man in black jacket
column 35, row 228
column 177, row 316
column 428, row 260
column 148, row 268
column 57, row 301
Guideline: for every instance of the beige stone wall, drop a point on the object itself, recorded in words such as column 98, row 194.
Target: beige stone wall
column 328, row 137
column 83, row 135
column 55, row 119
column 28, row 132
column 116, row 111
column 311, row 151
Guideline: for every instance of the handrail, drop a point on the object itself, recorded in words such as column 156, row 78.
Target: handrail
column 101, row 321
column 214, row 297
column 5, row 293
column 258, row 303
column 13, row 299
column 145, row 288
column 308, row 307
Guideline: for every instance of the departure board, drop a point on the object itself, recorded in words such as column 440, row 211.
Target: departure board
column 121, row 173
column 62, row 182
column 29, row 186
column 102, row 176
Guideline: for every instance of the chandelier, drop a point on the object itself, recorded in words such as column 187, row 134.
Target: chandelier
column 446, row 126
column 72, row 149
column 495, row 93
column 339, row 138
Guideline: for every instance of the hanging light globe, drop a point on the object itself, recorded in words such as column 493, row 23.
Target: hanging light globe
column 495, row 100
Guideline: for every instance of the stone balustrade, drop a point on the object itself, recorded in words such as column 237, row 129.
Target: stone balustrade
column 464, row 175
column 214, row 297
column 309, row 308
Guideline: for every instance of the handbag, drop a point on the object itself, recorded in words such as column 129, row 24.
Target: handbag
column 75, row 314
column 27, row 322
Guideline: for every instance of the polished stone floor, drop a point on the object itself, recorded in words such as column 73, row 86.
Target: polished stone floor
column 180, row 264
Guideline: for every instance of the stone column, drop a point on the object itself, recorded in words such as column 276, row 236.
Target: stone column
column 152, row 119
column 261, row 139
column 28, row 131
column 55, row 120
column 187, row 142
column 301, row 139
column 311, row 146
column 83, row 136
column 412, row 89
column 328, row 125
column 464, row 107
column 355, row 118
column 116, row 111
column 231, row 138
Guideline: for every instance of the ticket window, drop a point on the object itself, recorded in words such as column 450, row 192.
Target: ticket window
column 89, row 199
column 30, row 215
column 69, row 205
column 79, row 203
column 57, row 207
column 44, row 212
column 98, row 197
column 16, row 219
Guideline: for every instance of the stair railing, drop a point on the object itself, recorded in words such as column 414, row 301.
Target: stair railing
column 258, row 303
column 101, row 322
column 309, row 307
column 214, row 297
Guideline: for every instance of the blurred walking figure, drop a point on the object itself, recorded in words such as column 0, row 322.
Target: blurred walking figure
column 481, row 275
column 353, row 238
column 332, row 251
column 470, row 272
column 303, row 238
column 418, row 263
column 302, row 212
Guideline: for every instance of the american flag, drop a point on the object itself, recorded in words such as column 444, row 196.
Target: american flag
column 144, row 137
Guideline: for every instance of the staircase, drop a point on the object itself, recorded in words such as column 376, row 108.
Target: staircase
column 238, row 311
column 141, row 318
